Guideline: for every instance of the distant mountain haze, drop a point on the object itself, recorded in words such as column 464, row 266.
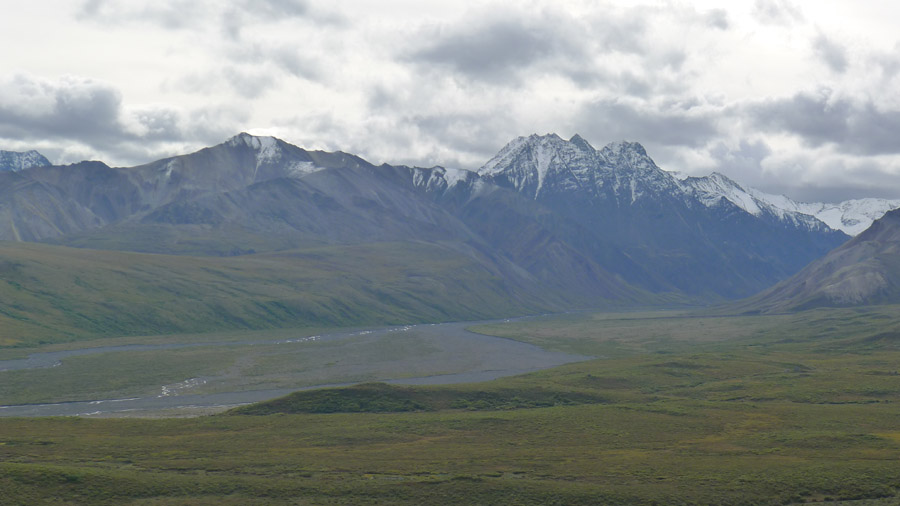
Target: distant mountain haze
column 863, row 271
column 545, row 215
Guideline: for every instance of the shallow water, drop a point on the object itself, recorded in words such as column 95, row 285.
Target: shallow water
column 459, row 356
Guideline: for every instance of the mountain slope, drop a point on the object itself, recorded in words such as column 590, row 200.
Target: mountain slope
column 255, row 199
column 52, row 293
column 548, row 216
column 850, row 216
column 715, row 188
column 532, row 236
column 865, row 270
column 672, row 240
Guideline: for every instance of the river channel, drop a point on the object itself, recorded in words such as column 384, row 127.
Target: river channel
column 447, row 353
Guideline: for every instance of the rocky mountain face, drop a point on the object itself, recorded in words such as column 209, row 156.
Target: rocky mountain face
column 850, row 216
column 546, row 215
column 865, row 270
column 14, row 161
column 669, row 236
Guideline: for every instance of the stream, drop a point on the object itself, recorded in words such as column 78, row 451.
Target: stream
column 459, row 356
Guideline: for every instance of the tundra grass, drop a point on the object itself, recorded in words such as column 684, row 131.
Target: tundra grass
column 769, row 410
column 53, row 294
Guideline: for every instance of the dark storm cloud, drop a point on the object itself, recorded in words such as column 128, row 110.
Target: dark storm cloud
column 472, row 134
column 859, row 128
column 746, row 159
column 840, row 180
column 92, row 114
column 672, row 126
column 495, row 52
column 742, row 163
column 504, row 48
column 72, row 107
column 833, row 54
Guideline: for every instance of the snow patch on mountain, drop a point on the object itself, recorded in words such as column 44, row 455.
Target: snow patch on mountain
column 529, row 162
column 538, row 165
column 169, row 167
column 850, row 217
column 300, row 169
column 712, row 189
column 503, row 158
column 15, row 161
column 269, row 151
column 456, row 176
column 441, row 179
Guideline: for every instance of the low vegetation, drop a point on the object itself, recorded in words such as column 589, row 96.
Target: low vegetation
column 51, row 294
column 681, row 410
column 383, row 398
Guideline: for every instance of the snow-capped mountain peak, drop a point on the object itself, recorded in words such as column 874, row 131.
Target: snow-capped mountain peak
column 272, row 151
column 15, row 161
column 850, row 217
column 529, row 162
column 267, row 147
column 713, row 189
column 545, row 165
column 515, row 148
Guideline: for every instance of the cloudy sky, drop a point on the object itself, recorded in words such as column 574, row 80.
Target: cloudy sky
column 800, row 98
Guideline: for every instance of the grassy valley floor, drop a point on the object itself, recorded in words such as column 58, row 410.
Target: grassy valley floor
column 679, row 410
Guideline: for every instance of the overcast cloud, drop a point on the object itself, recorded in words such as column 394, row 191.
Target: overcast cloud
column 787, row 96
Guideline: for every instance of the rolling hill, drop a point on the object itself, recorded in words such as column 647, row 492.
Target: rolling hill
column 863, row 271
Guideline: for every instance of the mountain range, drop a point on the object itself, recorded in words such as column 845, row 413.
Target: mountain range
column 849, row 216
column 551, row 223
column 649, row 227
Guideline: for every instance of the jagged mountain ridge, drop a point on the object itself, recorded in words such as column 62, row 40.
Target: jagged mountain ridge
column 712, row 189
column 257, row 194
column 14, row 161
column 545, row 212
column 850, row 216
column 679, row 242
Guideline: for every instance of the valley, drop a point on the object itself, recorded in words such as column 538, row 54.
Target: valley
column 256, row 323
column 542, row 253
column 778, row 409
column 186, row 375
